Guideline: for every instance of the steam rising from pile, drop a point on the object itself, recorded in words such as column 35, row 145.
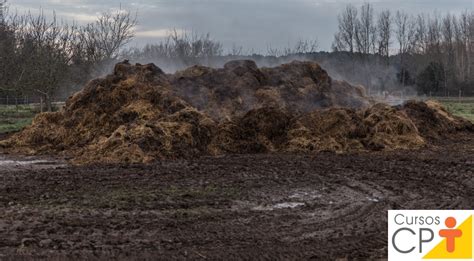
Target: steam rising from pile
column 140, row 114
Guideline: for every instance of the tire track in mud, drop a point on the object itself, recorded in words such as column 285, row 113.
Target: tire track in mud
column 324, row 206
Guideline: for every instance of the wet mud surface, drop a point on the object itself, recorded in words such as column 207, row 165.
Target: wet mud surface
column 13, row 163
column 325, row 206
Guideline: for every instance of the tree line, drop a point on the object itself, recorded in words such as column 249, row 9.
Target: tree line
column 182, row 48
column 433, row 52
column 40, row 55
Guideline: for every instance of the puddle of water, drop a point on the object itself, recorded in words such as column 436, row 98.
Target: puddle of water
column 289, row 205
column 23, row 162
column 283, row 205
column 373, row 199
column 305, row 195
column 29, row 163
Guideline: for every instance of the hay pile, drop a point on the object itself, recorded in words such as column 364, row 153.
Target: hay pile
column 130, row 116
column 139, row 114
column 433, row 120
column 335, row 129
column 240, row 87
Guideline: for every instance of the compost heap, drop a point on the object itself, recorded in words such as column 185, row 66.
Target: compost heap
column 140, row 114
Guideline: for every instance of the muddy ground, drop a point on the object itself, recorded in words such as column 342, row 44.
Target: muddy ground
column 326, row 206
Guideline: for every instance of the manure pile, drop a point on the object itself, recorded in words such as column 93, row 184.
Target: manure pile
column 140, row 114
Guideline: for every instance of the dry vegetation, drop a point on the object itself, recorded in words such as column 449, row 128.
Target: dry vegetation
column 139, row 114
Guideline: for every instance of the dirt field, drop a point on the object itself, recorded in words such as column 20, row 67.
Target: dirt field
column 326, row 206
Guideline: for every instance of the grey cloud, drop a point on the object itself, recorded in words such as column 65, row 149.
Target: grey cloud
column 254, row 24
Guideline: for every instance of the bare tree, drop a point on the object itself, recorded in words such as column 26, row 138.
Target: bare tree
column 273, row 51
column 189, row 46
column 236, row 50
column 365, row 30
column 3, row 6
column 301, row 47
column 465, row 39
column 40, row 55
column 384, row 26
column 471, row 46
column 448, row 41
column 104, row 38
column 405, row 34
column 7, row 53
column 345, row 38
column 459, row 49
column 47, row 45
column 305, row 46
column 181, row 48
column 421, row 34
column 434, row 37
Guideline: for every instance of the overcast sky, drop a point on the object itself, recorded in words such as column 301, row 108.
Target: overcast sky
column 255, row 24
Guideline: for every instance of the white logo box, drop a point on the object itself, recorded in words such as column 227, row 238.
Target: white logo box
column 413, row 229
